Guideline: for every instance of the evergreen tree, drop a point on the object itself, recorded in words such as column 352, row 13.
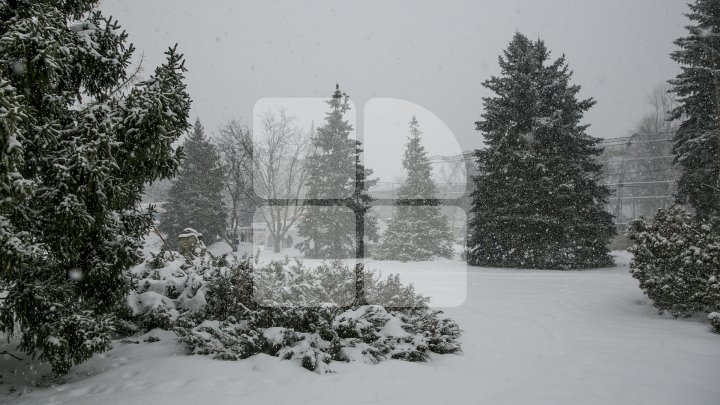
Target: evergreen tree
column 539, row 201
column 78, row 143
column 336, row 173
column 697, row 141
column 676, row 259
column 195, row 199
column 418, row 229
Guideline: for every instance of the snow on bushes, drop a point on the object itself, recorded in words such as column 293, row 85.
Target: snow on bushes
column 677, row 261
column 714, row 319
column 231, row 309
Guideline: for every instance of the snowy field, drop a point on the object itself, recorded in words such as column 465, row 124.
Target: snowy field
column 530, row 337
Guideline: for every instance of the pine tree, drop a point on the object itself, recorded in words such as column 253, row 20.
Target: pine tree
column 539, row 201
column 418, row 229
column 78, row 144
column 195, row 199
column 697, row 141
column 335, row 173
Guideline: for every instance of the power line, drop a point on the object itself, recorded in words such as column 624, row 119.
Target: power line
column 642, row 158
column 634, row 142
column 645, row 197
column 626, row 139
column 667, row 169
column 636, row 183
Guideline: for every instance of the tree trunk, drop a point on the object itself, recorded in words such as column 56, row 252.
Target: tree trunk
column 277, row 243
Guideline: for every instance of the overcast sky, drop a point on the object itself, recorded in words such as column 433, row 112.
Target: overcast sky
column 432, row 53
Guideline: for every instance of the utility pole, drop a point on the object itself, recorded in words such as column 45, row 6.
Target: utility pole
column 621, row 180
column 717, row 124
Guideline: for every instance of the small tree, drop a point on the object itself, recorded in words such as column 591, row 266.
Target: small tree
column 677, row 261
column 77, row 147
column 195, row 199
column 539, row 200
column 418, row 231
column 335, row 173
column 697, row 142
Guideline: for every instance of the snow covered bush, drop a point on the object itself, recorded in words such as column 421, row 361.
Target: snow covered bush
column 677, row 261
column 714, row 319
column 80, row 329
column 232, row 309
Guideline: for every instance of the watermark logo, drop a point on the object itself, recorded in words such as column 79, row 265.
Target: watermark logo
column 387, row 197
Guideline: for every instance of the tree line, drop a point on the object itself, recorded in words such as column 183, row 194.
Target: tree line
column 313, row 180
column 81, row 136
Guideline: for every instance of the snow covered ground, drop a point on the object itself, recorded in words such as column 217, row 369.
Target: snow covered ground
column 530, row 337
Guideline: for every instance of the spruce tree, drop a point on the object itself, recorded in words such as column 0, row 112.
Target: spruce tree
column 539, row 199
column 78, row 144
column 195, row 198
column 697, row 141
column 418, row 229
column 337, row 214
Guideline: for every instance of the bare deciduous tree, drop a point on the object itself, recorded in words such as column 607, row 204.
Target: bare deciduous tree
column 268, row 166
column 280, row 172
column 648, row 166
column 659, row 122
column 235, row 146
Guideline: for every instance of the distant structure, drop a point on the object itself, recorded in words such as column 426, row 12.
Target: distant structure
column 640, row 169
column 190, row 243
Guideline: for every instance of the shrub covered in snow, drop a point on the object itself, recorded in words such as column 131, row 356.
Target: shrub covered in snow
column 677, row 261
column 232, row 309
column 714, row 319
